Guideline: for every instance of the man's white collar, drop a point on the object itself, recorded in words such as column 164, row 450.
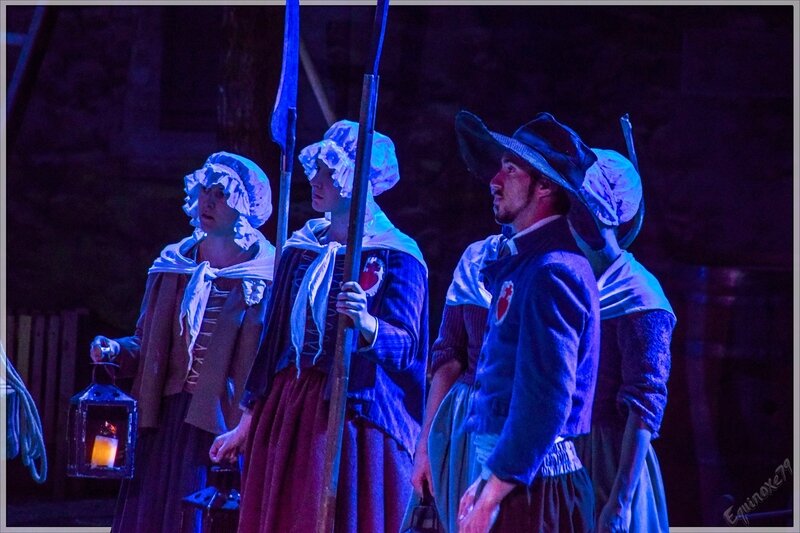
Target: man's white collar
column 512, row 246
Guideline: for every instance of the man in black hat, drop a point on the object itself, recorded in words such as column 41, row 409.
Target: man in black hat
column 536, row 372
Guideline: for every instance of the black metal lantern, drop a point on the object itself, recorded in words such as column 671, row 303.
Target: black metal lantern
column 216, row 507
column 424, row 516
column 102, row 431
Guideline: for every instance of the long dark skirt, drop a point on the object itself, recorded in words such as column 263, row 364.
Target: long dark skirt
column 169, row 464
column 452, row 457
column 559, row 504
column 285, row 458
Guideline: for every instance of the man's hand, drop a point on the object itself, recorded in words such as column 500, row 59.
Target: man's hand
column 480, row 504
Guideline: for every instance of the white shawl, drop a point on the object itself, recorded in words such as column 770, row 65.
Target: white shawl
column 316, row 283
column 253, row 273
column 467, row 287
column 627, row 287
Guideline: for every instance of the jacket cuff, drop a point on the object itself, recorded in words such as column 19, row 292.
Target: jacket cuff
column 248, row 400
column 509, row 477
column 371, row 345
column 650, row 418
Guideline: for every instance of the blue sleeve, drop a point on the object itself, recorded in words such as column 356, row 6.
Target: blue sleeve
column 556, row 308
column 399, row 312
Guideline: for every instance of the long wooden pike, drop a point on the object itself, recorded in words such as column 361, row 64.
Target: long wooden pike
column 340, row 373
column 283, row 120
column 627, row 132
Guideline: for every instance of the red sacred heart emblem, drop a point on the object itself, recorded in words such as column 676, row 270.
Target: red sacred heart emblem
column 504, row 301
column 372, row 275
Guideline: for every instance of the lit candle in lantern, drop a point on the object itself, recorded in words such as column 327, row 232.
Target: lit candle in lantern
column 104, row 451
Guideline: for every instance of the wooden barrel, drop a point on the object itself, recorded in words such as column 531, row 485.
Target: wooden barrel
column 731, row 388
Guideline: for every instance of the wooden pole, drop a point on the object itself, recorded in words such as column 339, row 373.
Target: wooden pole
column 284, row 118
column 340, row 373
column 638, row 219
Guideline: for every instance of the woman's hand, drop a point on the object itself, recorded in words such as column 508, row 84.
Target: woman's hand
column 102, row 348
column 352, row 302
column 614, row 518
column 227, row 447
column 421, row 472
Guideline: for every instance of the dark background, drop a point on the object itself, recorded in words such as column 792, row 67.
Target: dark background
column 130, row 99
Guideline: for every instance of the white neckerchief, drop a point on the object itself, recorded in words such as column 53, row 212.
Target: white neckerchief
column 253, row 273
column 512, row 242
column 627, row 287
column 467, row 286
column 316, row 283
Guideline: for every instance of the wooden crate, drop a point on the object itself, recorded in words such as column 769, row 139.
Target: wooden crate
column 43, row 347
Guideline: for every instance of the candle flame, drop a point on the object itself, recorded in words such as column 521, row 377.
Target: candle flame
column 104, row 451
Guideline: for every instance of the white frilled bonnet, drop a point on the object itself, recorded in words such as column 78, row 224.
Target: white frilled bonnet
column 338, row 150
column 612, row 189
column 246, row 188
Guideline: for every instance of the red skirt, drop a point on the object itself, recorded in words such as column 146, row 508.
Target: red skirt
column 285, row 459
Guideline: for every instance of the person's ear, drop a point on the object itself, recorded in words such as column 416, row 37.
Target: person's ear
column 545, row 187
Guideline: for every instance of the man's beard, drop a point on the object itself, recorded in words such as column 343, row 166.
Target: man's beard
column 505, row 217
column 508, row 216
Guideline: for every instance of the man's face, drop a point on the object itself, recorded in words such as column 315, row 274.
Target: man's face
column 511, row 189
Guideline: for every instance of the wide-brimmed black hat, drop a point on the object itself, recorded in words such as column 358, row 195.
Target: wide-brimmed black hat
column 552, row 148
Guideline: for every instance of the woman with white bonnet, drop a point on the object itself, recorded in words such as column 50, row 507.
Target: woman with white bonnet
column 287, row 394
column 636, row 329
column 444, row 463
column 200, row 323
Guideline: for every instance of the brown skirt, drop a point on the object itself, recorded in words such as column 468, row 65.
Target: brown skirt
column 170, row 462
column 285, row 458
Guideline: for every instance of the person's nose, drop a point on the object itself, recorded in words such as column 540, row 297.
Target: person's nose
column 207, row 200
column 496, row 183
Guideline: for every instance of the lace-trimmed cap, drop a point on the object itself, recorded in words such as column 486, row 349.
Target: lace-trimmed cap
column 612, row 188
column 338, row 150
column 246, row 188
column 244, row 183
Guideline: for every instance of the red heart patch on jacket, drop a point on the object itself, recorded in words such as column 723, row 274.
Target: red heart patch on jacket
column 504, row 301
column 372, row 275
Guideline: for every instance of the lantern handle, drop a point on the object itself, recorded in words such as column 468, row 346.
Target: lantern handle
column 107, row 364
